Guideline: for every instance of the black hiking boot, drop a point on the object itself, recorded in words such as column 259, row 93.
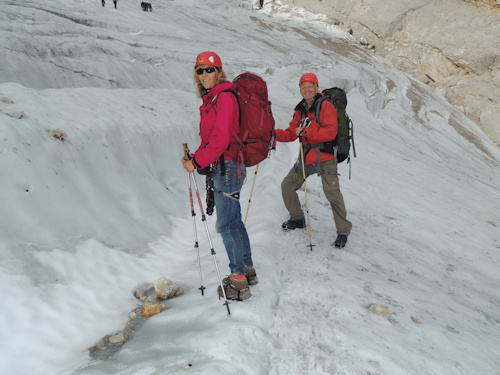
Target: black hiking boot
column 294, row 224
column 341, row 240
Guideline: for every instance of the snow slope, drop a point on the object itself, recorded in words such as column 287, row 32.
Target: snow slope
column 88, row 220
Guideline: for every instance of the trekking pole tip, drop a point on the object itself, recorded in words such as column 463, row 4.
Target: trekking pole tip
column 227, row 306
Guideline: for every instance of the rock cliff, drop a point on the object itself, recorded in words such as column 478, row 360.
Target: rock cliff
column 451, row 45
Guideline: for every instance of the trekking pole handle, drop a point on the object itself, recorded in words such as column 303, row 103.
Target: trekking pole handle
column 305, row 122
column 303, row 125
column 186, row 151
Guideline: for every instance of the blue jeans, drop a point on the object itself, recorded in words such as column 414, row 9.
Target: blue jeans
column 229, row 224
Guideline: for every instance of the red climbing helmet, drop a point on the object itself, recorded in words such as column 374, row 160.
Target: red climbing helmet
column 208, row 58
column 309, row 77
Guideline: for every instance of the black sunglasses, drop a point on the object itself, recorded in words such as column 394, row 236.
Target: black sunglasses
column 210, row 69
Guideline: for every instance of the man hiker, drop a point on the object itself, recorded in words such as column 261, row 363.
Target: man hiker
column 305, row 127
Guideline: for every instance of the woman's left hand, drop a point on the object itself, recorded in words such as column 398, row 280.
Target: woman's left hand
column 188, row 165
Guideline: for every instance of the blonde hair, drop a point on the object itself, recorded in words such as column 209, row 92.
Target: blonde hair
column 200, row 90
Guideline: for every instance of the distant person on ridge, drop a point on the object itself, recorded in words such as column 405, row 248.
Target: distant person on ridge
column 305, row 127
column 219, row 148
column 258, row 4
column 115, row 1
column 103, row 2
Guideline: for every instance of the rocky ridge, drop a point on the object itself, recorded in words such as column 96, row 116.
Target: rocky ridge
column 451, row 45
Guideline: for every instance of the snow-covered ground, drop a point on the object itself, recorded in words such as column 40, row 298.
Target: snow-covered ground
column 86, row 221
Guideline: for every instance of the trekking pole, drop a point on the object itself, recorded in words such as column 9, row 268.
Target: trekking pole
column 351, row 128
column 305, row 191
column 204, row 219
column 251, row 192
column 202, row 288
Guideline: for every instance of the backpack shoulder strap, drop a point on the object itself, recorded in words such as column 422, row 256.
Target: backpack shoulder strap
column 318, row 109
column 236, row 95
column 321, row 145
column 213, row 104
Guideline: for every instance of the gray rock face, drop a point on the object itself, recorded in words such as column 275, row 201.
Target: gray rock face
column 451, row 45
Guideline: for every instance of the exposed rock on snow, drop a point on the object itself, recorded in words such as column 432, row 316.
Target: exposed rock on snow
column 58, row 133
column 148, row 309
column 381, row 310
column 110, row 344
column 118, row 339
column 451, row 45
column 166, row 289
column 6, row 100
column 13, row 112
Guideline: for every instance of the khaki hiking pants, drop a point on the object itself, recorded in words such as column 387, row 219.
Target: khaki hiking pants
column 331, row 187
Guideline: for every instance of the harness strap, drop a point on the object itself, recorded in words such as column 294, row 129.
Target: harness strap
column 304, row 123
column 318, row 169
column 235, row 195
column 222, row 165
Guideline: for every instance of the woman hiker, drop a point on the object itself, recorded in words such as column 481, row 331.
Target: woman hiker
column 219, row 122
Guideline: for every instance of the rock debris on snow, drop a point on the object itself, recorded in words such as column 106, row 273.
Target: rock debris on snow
column 6, row 100
column 13, row 112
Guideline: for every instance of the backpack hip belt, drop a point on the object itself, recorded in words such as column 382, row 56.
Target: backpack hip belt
column 327, row 147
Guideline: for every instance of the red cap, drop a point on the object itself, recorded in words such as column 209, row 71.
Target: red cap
column 208, row 58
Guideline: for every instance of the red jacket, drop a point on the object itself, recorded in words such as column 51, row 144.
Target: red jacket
column 314, row 133
column 217, row 125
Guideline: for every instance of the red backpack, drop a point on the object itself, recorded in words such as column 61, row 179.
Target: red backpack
column 257, row 136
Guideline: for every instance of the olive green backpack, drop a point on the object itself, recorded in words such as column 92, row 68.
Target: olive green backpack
column 341, row 145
